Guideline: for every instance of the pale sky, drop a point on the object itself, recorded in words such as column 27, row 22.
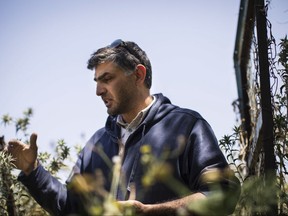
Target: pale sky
column 45, row 46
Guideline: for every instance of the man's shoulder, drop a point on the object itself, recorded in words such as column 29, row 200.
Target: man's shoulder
column 186, row 111
column 171, row 108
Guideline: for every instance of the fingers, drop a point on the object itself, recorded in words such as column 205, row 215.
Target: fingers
column 13, row 149
column 33, row 141
column 137, row 206
column 12, row 144
column 24, row 156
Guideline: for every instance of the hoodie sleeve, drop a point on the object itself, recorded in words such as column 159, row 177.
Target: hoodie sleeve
column 50, row 193
column 204, row 166
column 45, row 189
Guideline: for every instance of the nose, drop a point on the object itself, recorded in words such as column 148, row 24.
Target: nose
column 100, row 90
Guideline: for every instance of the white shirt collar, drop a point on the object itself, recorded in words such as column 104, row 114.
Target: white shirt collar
column 137, row 120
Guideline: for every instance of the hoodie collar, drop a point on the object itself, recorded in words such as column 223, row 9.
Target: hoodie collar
column 157, row 111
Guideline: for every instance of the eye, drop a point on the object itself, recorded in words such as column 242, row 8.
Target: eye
column 107, row 79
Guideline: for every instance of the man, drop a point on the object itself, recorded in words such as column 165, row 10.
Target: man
column 178, row 139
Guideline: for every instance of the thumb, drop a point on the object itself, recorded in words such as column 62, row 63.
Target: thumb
column 33, row 139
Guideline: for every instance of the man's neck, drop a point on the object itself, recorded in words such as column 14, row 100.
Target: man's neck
column 130, row 116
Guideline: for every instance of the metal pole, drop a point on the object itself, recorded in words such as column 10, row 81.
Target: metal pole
column 267, row 115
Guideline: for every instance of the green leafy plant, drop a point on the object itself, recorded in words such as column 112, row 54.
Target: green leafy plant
column 14, row 198
column 256, row 193
column 255, row 196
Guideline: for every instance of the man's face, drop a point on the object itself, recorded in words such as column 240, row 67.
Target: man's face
column 116, row 88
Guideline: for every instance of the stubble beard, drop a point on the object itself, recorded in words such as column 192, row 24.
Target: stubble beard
column 122, row 105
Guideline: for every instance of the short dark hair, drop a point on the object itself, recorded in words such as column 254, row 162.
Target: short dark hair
column 126, row 55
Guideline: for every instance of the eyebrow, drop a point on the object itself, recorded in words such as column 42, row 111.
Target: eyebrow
column 101, row 77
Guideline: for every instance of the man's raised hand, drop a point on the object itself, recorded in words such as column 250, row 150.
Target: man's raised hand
column 24, row 155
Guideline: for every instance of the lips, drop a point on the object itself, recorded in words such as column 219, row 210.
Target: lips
column 107, row 102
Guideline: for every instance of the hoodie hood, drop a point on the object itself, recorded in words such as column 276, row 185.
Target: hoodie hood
column 160, row 108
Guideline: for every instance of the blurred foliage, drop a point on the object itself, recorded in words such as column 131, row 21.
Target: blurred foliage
column 280, row 108
column 258, row 187
column 256, row 190
column 14, row 198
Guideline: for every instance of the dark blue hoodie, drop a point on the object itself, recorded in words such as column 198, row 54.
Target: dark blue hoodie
column 165, row 124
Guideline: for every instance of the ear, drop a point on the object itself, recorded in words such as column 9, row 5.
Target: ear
column 140, row 73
